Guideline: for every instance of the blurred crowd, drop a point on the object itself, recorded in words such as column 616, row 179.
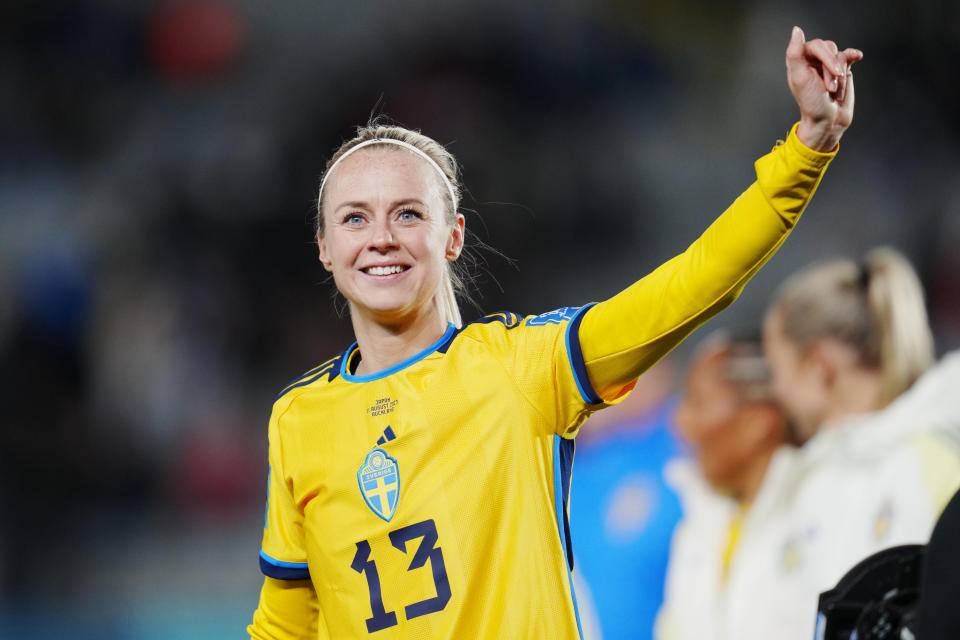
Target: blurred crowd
column 158, row 163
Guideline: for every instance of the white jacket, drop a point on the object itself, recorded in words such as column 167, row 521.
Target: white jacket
column 860, row 485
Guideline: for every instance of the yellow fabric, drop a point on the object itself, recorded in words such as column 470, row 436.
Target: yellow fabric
column 482, row 424
column 939, row 459
column 667, row 305
column 288, row 609
column 734, row 529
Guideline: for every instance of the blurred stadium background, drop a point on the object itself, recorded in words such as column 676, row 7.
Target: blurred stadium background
column 158, row 163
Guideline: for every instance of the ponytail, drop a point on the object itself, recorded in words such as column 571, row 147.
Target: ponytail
column 896, row 303
column 448, row 299
column 876, row 308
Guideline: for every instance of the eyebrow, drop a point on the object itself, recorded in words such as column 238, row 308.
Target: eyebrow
column 360, row 204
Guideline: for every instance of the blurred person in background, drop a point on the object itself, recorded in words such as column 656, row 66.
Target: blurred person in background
column 729, row 419
column 431, row 442
column 622, row 511
column 851, row 352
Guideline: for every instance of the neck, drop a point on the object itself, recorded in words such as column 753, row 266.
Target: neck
column 385, row 344
column 857, row 390
column 751, row 478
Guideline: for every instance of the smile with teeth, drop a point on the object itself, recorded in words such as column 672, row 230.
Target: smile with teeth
column 385, row 271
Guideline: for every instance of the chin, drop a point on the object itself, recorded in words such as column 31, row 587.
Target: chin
column 386, row 310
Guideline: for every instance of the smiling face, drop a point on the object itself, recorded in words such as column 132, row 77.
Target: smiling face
column 387, row 234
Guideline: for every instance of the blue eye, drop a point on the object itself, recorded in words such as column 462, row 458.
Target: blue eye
column 353, row 219
column 408, row 215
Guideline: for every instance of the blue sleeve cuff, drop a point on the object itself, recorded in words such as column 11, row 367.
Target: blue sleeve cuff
column 576, row 358
column 281, row 570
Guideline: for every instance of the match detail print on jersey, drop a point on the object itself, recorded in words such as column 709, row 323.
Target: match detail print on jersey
column 379, row 478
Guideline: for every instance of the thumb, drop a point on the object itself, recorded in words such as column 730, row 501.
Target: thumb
column 795, row 46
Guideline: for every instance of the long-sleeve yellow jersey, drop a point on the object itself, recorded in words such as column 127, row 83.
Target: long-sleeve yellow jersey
column 429, row 500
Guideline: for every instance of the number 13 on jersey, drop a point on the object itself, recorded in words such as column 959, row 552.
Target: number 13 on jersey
column 428, row 551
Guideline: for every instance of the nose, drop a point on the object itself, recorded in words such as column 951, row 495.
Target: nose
column 381, row 238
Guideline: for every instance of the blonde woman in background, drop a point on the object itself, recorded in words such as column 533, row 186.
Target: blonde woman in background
column 851, row 353
column 851, row 356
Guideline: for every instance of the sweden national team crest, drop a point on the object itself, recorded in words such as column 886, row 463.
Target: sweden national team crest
column 379, row 478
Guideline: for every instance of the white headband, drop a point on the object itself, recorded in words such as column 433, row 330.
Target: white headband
column 399, row 143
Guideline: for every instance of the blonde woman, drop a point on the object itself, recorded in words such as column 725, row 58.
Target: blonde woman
column 419, row 480
column 851, row 351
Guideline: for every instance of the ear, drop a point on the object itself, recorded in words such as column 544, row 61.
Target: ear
column 829, row 357
column 324, row 256
column 455, row 241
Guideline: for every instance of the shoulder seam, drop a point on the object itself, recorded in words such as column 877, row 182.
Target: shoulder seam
column 311, row 376
column 504, row 317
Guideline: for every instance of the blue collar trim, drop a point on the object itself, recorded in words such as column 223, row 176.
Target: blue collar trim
column 349, row 377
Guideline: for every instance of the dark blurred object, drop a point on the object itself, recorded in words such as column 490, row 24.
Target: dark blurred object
column 938, row 617
column 212, row 475
column 876, row 600
column 195, row 39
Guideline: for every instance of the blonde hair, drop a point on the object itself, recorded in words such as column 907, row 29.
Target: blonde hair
column 876, row 308
column 452, row 282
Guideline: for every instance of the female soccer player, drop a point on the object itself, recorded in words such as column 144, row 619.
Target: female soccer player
column 418, row 480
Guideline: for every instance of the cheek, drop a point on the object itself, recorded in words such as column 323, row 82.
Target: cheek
column 430, row 250
column 810, row 387
column 691, row 426
column 719, row 455
column 341, row 247
column 783, row 373
column 706, row 427
column 781, row 385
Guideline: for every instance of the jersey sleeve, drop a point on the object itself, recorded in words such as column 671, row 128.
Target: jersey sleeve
column 288, row 610
column 283, row 554
column 288, row 607
column 622, row 337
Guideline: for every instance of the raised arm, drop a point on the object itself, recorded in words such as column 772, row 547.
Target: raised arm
column 623, row 336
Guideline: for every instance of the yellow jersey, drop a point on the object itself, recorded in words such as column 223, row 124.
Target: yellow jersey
column 430, row 500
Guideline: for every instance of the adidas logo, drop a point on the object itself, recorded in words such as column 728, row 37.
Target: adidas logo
column 387, row 436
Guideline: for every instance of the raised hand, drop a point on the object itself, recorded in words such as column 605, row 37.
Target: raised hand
column 821, row 82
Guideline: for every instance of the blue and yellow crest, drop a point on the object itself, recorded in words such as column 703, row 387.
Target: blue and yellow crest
column 379, row 478
column 553, row 317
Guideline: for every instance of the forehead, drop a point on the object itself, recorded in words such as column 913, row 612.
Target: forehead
column 706, row 373
column 707, row 364
column 381, row 172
